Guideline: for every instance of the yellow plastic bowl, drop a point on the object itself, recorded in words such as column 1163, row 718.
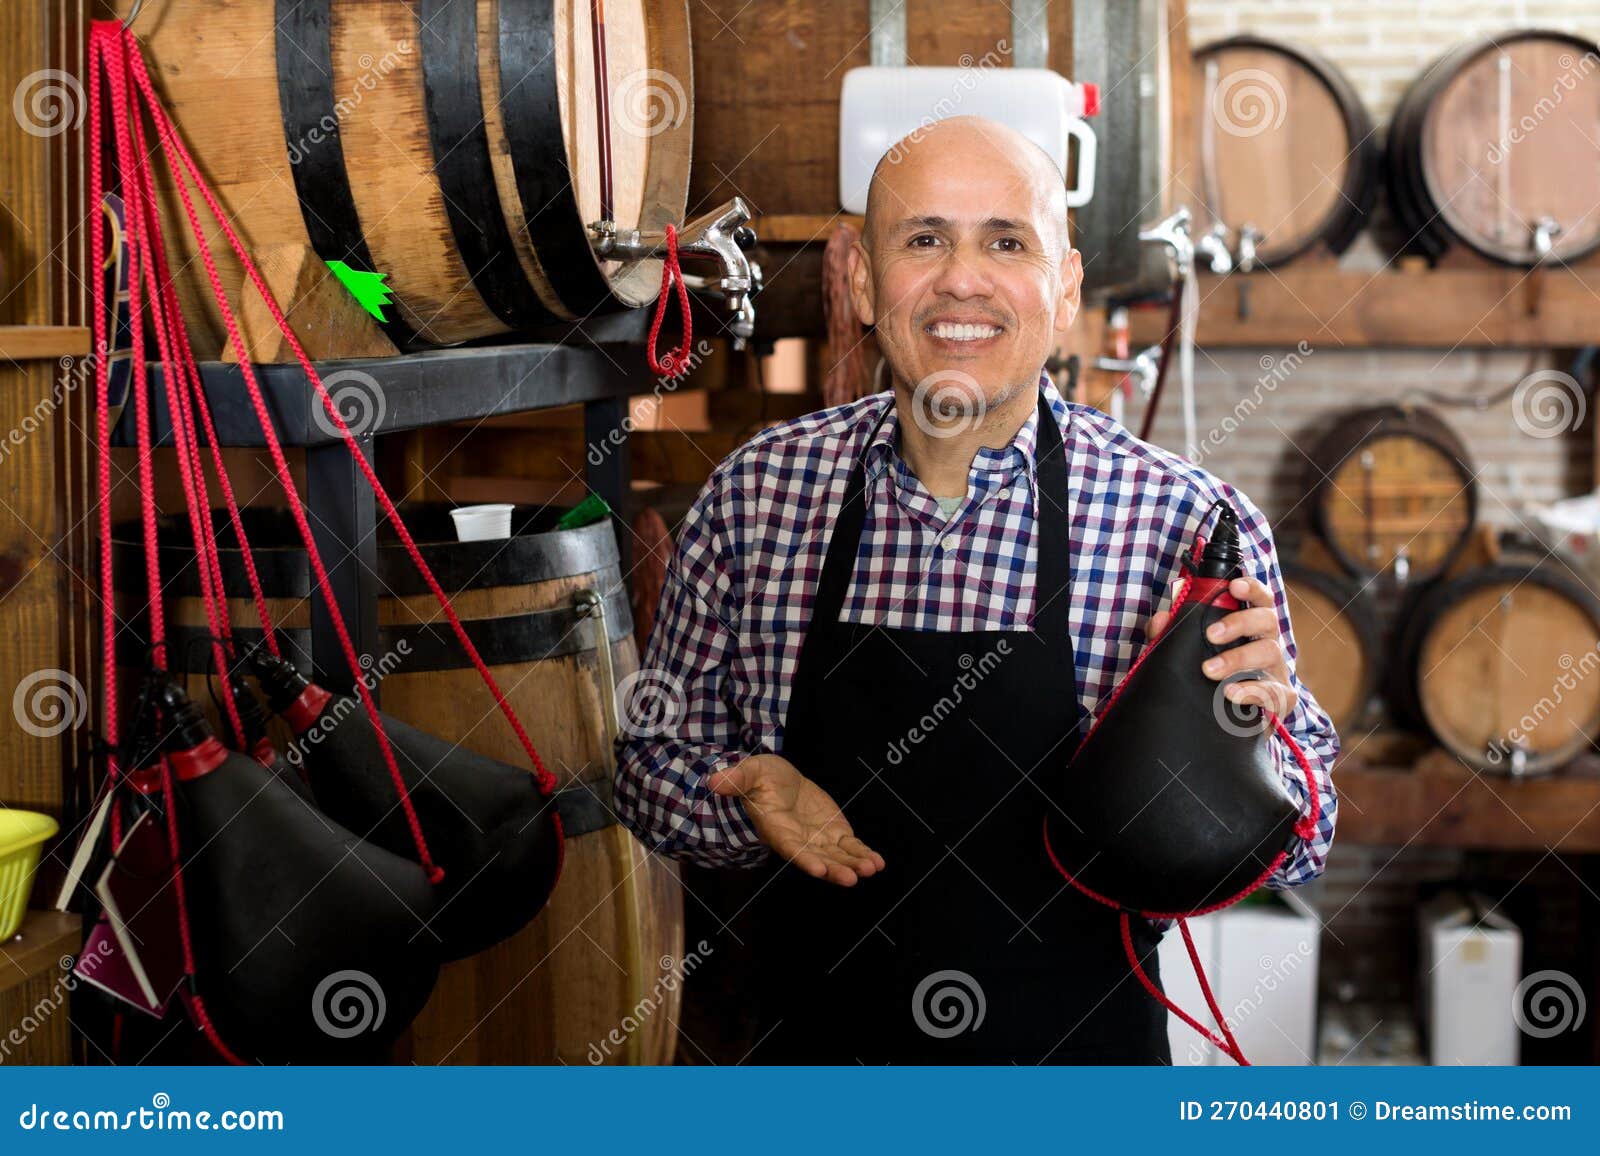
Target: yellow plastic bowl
column 22, row 836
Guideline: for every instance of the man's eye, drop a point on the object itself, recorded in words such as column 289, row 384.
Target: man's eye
column 1010, row 244
column 917, row 242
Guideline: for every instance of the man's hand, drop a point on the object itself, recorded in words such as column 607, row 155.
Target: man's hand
column 798, row 819
column 1274, row 691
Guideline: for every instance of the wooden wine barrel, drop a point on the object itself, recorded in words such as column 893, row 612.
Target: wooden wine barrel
column 1285, row 147
column 1505, row 657
column 1391, row 483
column 451, row 145
column 1495, row 137
column 1335, row 642
column 606, row 954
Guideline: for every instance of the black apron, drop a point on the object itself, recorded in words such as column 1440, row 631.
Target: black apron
column 969, row 947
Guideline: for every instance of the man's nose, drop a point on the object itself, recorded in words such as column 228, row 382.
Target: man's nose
column 962, row 274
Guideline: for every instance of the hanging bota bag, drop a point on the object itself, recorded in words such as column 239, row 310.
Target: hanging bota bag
column 1173, row 804
column 489, row 826
column 311, row 945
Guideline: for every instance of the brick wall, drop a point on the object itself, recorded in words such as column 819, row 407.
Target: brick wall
column 1381, row 46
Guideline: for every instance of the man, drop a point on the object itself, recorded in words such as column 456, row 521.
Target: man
column 876, row 691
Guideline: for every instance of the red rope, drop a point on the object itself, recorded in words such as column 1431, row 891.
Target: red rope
column 1161, row 996
column 1211, row 1000
column 675, row 361
column 102, row 385
column 106, row 50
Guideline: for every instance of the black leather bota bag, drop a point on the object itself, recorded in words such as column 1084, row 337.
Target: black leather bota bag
column 310, row 944
column 487, row 825
column 1172, row 804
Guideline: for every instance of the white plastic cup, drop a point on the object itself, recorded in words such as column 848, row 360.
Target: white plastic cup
column 482, row 523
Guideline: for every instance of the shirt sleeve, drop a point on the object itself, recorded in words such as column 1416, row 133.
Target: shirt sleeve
column 676, row 727
column 1308, row 723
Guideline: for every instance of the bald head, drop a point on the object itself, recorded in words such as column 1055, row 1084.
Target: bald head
column 963, row 145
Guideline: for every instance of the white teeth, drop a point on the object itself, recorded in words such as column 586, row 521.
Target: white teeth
column 951, row 332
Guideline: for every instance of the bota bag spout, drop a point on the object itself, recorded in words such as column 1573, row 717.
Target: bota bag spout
column 1173, row 804
column 489, row 826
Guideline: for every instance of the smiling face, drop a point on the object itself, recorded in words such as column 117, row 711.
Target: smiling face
column 964, row 266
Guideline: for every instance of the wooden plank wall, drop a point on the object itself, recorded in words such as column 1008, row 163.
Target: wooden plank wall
column 41, row 466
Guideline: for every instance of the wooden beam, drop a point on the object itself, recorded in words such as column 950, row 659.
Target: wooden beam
column 1328, row 307
column 40, row 342
column 1439, row 803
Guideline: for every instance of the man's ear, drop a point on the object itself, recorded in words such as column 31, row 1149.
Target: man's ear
column 1071, row 298
column 861, row 288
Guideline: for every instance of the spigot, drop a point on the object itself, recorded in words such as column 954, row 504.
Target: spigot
column 1545, row 230
column 743, row 325
column 720, row 235
column 1213, row 245
column 1249, row 237
column 1143, row 367
column 1173, row 232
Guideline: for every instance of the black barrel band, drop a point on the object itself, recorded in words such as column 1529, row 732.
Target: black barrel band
column 531, row 112
column 534, row 637
column 459, row 134
column 316, row 152
column 189, row 647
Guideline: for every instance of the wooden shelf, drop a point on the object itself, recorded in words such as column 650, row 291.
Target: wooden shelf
column 41, row 342
column 1438, row 802
column 1469, row 306
column 38, row 948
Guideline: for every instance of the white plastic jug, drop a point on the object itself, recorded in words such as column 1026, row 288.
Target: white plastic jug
column 881, row 106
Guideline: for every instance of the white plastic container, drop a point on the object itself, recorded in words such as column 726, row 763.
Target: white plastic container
column 881, row 106
column 482, row 523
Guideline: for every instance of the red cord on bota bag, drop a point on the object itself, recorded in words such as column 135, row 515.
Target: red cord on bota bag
column 674, row 361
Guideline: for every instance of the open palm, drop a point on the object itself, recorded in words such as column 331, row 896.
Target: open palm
column 798, row 819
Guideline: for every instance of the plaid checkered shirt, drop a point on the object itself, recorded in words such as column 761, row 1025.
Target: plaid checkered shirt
column 715, row 676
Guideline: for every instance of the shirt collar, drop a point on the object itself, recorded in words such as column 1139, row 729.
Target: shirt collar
column 1017, row 456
